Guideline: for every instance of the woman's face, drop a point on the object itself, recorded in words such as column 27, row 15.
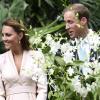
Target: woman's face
column 10, row 37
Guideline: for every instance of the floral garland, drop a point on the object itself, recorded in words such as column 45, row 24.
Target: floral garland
column 70, row 78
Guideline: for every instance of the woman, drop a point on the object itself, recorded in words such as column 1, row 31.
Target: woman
column 21, row 73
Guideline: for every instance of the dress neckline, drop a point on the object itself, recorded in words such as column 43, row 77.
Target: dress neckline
column 13, row 62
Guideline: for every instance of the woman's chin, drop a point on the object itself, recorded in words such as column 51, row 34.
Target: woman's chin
column 7, row 47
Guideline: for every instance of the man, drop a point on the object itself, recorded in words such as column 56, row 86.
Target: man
column 76, row 18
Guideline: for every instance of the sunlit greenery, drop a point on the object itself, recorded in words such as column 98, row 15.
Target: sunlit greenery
column 43, row 17
column 39, row 14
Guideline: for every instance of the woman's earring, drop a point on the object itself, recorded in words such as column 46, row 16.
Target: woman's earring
column 19, row 41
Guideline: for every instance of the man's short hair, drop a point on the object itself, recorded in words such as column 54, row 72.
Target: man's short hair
column 79, row 9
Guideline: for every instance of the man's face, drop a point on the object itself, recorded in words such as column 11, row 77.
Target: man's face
column 72, row 24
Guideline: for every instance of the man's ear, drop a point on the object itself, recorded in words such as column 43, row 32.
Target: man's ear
column 20, row 35
column 83, row 21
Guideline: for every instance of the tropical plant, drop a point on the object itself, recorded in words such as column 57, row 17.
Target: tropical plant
column 68, row 79
column 14, row 9
column 94, row 7
column 43, row 12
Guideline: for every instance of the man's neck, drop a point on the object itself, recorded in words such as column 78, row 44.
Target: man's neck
column 84, row 33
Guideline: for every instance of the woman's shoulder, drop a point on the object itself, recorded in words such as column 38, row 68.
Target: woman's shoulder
column 3, row 55
column 3, row 59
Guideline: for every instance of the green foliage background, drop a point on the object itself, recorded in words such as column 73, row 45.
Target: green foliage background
column 45, row 15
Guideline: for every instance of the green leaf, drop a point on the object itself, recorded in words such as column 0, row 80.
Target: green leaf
column 60, row 61
column 17, row 8
column 3, row 13
column 78, row 62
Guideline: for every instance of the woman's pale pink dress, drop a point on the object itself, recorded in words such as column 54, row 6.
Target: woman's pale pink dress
column 29, row 84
